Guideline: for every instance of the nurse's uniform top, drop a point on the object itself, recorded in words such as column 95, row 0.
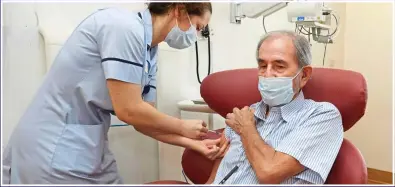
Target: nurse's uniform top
column 62, row 136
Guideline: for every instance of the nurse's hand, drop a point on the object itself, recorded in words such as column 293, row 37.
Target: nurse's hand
column 211, row 149
column 194, row 129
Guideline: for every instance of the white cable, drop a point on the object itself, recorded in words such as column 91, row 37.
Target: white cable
column 334, row 12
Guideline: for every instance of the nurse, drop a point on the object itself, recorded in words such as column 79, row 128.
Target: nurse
column 107, row 66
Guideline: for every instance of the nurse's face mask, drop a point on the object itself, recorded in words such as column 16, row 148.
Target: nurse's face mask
column 180, row 39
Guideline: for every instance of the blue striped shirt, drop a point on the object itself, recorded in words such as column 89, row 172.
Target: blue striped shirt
column 309, row 131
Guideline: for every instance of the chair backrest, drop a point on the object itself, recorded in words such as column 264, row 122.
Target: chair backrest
column 346, row 89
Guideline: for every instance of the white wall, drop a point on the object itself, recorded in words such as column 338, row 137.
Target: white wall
column 22, row 60
column 368, row 50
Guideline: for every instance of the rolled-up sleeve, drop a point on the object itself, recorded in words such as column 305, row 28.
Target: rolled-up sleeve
column 121, row 47
column 316, row 142
column 229, row 133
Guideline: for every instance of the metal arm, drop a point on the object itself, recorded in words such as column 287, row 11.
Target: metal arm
column 314, row 16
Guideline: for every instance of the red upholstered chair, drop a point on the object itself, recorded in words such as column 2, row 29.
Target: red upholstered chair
column 347, row 90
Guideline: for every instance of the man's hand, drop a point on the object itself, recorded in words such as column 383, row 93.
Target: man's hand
column 209, row 148
column 240, row 120
column 223, row 144
column 194, row 129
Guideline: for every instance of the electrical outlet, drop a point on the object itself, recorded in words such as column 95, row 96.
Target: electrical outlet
column 331, row 63
column 211, row 32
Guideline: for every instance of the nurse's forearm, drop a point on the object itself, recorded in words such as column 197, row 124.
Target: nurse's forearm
column 131, row 109
column 173, row 139
column 143, row 115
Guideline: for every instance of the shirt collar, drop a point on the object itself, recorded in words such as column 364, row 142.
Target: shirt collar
column 287, row 110
column 147, row 21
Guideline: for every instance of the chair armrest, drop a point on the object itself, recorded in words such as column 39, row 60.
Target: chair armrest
column 197, row 167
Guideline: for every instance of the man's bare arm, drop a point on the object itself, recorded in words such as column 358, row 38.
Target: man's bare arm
column 270, row 166
column 224, row 145
column 213, row 173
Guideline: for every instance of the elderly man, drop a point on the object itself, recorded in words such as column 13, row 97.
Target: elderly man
column 284, row 138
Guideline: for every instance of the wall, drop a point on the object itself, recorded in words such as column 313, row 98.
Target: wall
column 22, row 77
column 368, row 49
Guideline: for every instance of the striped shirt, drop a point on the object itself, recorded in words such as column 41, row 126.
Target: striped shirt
column 309, row 131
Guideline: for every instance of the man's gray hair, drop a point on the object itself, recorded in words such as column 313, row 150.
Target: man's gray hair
column 301, row 44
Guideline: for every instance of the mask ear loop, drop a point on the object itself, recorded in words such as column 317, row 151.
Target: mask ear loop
column 177, row 23
column 300, row 89
column 191, row 25
column 190, row 22
column 298, row 73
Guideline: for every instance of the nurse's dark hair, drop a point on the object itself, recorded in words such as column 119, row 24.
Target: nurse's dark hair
column 193, row 8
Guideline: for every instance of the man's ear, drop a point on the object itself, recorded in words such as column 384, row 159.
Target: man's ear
column 307, row 72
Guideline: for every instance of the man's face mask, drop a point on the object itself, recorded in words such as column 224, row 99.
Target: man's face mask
column 181, row 39
column 276, row 91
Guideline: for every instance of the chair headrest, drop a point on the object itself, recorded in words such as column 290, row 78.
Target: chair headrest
column 345, row 89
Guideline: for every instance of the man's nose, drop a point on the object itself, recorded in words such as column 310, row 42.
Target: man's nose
column 269, row 72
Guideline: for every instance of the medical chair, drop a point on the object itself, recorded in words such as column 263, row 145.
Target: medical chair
column 347, row 90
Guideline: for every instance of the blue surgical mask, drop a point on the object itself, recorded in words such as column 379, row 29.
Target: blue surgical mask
column 276, row 91
column 181, row 39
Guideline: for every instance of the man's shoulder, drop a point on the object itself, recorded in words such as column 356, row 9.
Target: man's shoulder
column 323, row 107
column 254, row 106
column 323, row 114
